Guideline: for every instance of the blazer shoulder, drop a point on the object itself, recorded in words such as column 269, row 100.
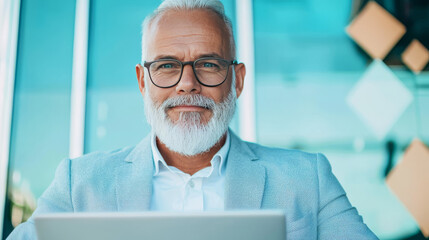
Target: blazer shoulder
column 285, row 157
column 99, row 162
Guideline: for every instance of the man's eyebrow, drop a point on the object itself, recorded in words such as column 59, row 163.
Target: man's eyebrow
column 210, row 55
column 165, row 57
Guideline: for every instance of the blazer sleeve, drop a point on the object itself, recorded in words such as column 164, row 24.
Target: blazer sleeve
column 56, row 198
column 337, row 218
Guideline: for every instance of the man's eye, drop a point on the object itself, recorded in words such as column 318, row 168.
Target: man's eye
column 209, row 65
column 167, row 65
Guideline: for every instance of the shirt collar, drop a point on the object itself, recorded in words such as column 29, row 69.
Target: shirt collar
column 221, row 154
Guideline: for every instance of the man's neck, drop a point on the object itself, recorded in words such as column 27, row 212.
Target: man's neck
column 189, row 164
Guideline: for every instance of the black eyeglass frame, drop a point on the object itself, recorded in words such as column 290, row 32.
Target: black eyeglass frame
column 192, row 63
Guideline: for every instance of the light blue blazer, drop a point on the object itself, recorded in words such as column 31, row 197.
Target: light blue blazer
column 257, row 177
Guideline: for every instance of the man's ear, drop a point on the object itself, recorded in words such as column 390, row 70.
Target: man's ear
column 240, row 73
column 140, row 77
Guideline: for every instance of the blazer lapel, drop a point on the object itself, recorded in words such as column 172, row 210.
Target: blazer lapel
column 134, row 178
column 245, row 177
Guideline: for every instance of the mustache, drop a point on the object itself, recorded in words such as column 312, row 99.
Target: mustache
column 194, row 100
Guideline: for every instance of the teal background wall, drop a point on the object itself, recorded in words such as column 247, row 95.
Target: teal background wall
column 306, row 66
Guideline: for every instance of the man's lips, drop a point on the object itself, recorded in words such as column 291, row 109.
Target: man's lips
column 188, row 108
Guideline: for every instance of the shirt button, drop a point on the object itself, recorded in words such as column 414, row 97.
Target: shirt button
column 191, row 184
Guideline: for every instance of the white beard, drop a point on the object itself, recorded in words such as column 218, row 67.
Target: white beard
column 188, row 135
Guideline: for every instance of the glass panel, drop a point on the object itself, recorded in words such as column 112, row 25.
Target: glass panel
column 40, row 123
column 115, row 114
column 306, row 66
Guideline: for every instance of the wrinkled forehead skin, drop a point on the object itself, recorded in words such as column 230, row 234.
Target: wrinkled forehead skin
column 187, row 35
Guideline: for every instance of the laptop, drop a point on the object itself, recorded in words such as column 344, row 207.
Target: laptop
column 226, row 225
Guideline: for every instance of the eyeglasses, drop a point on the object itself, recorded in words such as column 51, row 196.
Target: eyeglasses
column 209, row 72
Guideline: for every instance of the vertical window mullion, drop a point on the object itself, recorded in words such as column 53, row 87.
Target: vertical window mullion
column 246, row 54
column 9, row 24
column 79, row 78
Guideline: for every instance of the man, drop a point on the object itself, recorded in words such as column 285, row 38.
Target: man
column 191, row 161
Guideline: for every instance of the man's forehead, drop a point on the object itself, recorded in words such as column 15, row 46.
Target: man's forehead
column 180, row 27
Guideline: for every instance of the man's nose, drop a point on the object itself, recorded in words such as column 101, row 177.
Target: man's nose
column 188, row 82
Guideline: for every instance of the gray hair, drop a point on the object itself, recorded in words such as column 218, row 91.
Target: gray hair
column 215, row 6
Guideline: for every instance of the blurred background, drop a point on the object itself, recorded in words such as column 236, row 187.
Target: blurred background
column 305, row 68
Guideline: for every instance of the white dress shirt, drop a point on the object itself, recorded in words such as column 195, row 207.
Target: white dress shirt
column 174, row 190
